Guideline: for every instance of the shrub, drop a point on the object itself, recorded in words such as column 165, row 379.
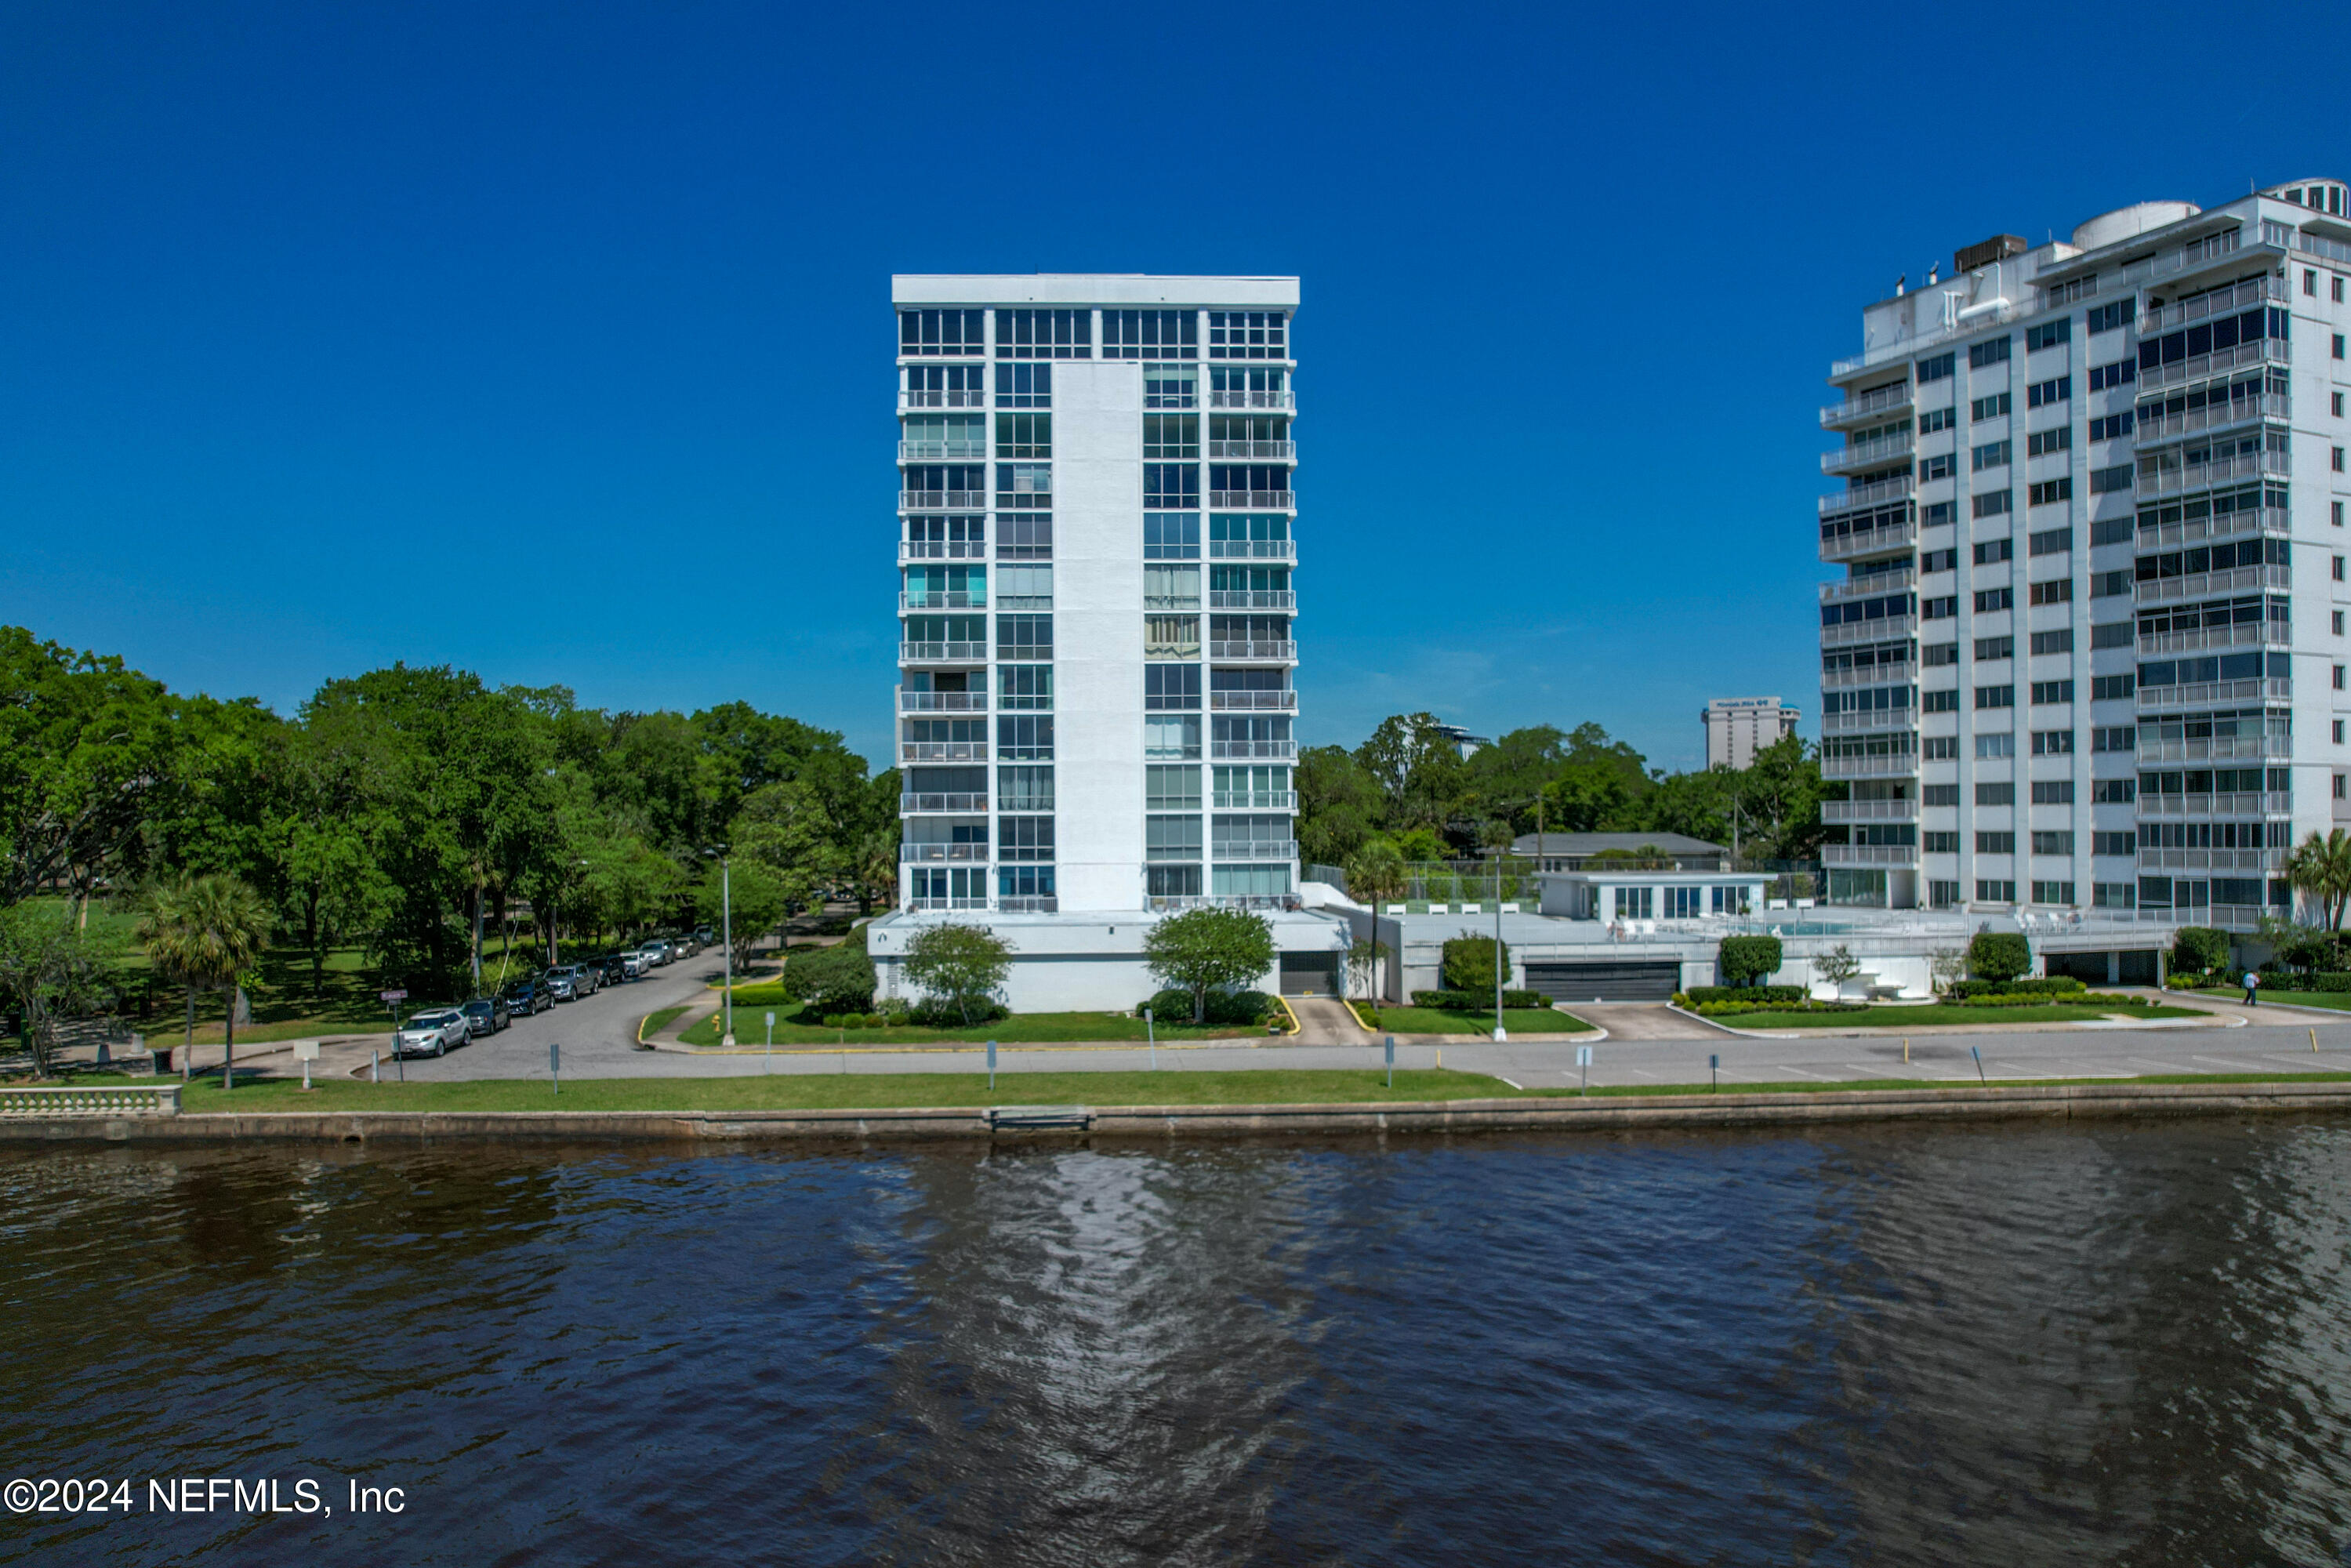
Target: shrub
column 1732, row 1010
column 1963, row 990
column 2324, row 980
column 1173, row 1005
column 1697, row 995
column 830, row 979
column 1999, row 956
column 960, row 965
column 1208, row 950
column 1226, row 1009
column 940, row 1012
column 1743, row 960
column 1470, row 963
column 1478, row 1001
column 2199, row 948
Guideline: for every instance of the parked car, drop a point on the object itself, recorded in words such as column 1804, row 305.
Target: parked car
column 486, row 1015
column 705, row 936
column 656, row 953
column 431, row 1032
column 582, row 979
column 527, row 996
column 558, row 985
column 608, row 969
column 633, row 964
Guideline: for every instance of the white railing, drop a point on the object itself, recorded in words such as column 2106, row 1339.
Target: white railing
column 111, row 1100
column 2275, row 520
column 931, row 398
column 1247, row 651
column 942, row 549
column 943, row 751
column 1867, row 455
column 2200, row 584
column 1282, row 599
column 2202, row 693
column 1028, row 904
column 1254, row 849
column 1871, row 585
column 949, row 801
column 1891, row 629
column 1869, row 718
column 2243, row 635
column 1869, row 766
column 1257, row 750
column 942, row 702
column 980, row 902
column 2219, row 302
column 943, row 500
column 1868, row 854
column 1252, row 400
column 2227, row 803
column 940, row 653
column 943, row 598
column 909, row 854
column 942, row 450
column 2221, row 749
column 1169, row 602
column 1254, row 799
column 1868, row 405
column 2264, row 351
column 1278, row 450
column 1252, row 500
column 1902, row 811
column 1161, row 903
column 2211, row 860
column 1171, row 650
column 2218, row 416
column 1875, row 675
column 1024, row 500
column 1154, row 402
column 1252, row 549
column 2160, row 480
column 2332, row 249
column 1884, row 490
column 1877, row 541
column 1243, row 702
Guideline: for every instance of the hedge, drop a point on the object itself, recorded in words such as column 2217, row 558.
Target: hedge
column 2199, row 948
column 1468, row 963
column 1478, row 1001
column 2324, row 980
column 1697, row 995
column 1744, row 959
column 2048, row 998
column 1733, row 1010
column 1226, row 1009
column 1961, row 990
column 1999, row 955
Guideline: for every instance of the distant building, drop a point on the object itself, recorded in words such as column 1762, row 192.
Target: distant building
column 1574, row 851
column 1464, row 743
column 1739, row 727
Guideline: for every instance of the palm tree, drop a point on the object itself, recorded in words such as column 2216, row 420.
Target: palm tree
column 1375, row 872
column 2321, row 867
column 204, row 932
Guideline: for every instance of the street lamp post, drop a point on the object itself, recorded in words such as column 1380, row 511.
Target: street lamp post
column 1501, row 963
column 726, row 933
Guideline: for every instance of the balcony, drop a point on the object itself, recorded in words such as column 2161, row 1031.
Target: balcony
column 958, row 802
column 942, row 599
column 1159, row 604
column 1879, row 402
column 1252, row 400
column 1868, row 854
column 2218, row 749
column 1253, row 702
column 2243, row 635
column 1254, row 849
column 1028, row 904
column 942, row 653
column 974, row 397
column 1873, row 585
column 1876, row 675
column 2275, row 520
column 2219, row 471
column 1282, row 599
column 2211, row 860
column 1877, row 541
column 942, row 702
column 1893, row 767
column 1876, row 453
column 2219, row 362
column 1902, row 810
column 910, row 854
column 943, row 751
column 942, row 549
column 1252, row 549
column 2204, row 584
column 1871, row 719
column 935, row 904
column 1278, row 451
column 2219, row 302
column 1894, row 489
column 1253, row 500
column 1281, row 652
column 942, row 450
column 943, row 500
column 2204, row 694
column 1254, row 799
column 1893, row 629
column 2244, row 411
column 2229, row 803
column 1163, row 904
column 1252, row 750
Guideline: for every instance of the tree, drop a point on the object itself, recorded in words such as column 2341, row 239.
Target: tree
column 835, row 979
column 1340, row 805
column 1742, row 960
column 1375, row 872
column 1778, row 797
column 2200, row 949
column 1999, row 955
column 1468, row 963
column 1365, row 957
column 1416, row 767
column 1836, row 967
column 206, row 932
column 1202, row 950
column 1947, row 966
column 962, row 965
column 50, row 968
column 747, row 899
column 2322, row 868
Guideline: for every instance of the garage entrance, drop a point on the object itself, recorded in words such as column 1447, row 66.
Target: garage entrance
column 1621, row 981
column 1310, row 974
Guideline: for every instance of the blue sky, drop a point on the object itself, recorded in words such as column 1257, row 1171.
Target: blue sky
column 554, row 340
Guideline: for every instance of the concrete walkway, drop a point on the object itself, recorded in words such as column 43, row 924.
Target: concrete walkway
column 1326, row 1020
column 1643, row 1020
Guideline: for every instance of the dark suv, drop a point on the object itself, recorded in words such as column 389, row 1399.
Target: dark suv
column 527, row 997
column 487, row 1015
column 610, row 968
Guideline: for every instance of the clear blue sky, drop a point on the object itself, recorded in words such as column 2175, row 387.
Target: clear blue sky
column 554, row 340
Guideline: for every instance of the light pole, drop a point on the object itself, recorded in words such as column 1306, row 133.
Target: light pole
column 1501, row 963
column 726, row 934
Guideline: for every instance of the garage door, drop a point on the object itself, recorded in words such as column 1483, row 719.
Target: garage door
column 1310, row 974
column 1609, row 982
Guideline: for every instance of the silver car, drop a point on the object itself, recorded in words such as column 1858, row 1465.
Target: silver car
column 431, row 1032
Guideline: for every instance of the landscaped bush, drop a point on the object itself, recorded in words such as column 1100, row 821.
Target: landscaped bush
column 2199, row 948
column 1732, row 1010
column 942, row 1012
column 1999, row 956
column 1743, row 960
column 1470, row 963
column 831, row 979
column 2052, row 985
column 2324, row 980
column 1478, row 1001
column 1227, row 1010
column 766, row 993
column 1700, row 995
column 1173, row 1005
column 2050, row 999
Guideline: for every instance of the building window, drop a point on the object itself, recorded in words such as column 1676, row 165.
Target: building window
column 1024, row 737
column 1170, row 737
column 1995, row 844
column 1940, row 843
column 1171, row 386
column 2048, row 492
column 1252, row 880
column 1247, row 335
column 1992, row 454
column 1172, row 486
column 1151, row 335
column 2105, row 481
column 2113, row 688
column 1024, row 637
column 1995, row 407
column 2039, row 394
column 1935, row 419
column 2113, row 791
column 2052, row 843
column 1024, row 588
column 1024, row 434
column 1988, row 599
column 1170, row 636
column 1938, row 702
column 1939, row 749
column 2041, row 442
column 1171, row 536
column 2338, row 345
column 2056, row 590
column 1026, row 334
column 2111, row 427
column 2053, row 892
column 2338, row 460
column 2119, row 737
column 1024, row 485
column 2047, row 693
column 1998, row 503
column 1171, row 435
column 2052, row 792
column 2048, row 335
column 2122, row 372
column 1995, row 746
column 1989, row 353
column 1172, row 838
column 1935, row 467
column 2121, row 843
column 1024, row 687
column 1999, row 794
column 2108, row 318
column 2053, row 742
column 1937, row 369
column 1024, row 838
column 1176, row 686
column 1024, row 386
column 1024, row 789
column 1024, row 536
column 1992, row 892
column 1990, row 552
column 1943, row 894
column 1989, row 648
column 941, row 334
column 1995, row 696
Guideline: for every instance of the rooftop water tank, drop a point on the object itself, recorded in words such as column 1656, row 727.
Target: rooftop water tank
column 2129, row 223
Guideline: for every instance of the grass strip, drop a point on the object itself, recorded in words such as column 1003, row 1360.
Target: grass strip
column 2339, row 1001
column 1446, row 1020
column 1021, row 1029
column 1895, row 1020
column 657, row 1020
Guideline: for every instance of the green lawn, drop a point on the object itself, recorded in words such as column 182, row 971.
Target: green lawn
column 1937, row 1013
column 2340, row 1001
column 657, row 1020
column 1438, row 1021
column 1021, row 1029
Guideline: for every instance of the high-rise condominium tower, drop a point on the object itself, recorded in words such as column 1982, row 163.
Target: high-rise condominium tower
column 1096, row 535
column 2089, row 650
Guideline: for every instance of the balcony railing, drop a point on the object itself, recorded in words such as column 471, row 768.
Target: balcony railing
column 1253, row 652
column 2220, row 749
column 2275, row 520
column 1278, row 450
column 1869, row 766
column 1282, row 599
column 1252, row 400
column 1868, row 854
column 1254, row 849
column 1253, row 500
column 942, row 450
column 1874, row 453
column 2220, row 470
column 942, row 598
column 2229, row 803
column 1877, row 541
column 1902, row 811
column 1876, row 675
column 943, row 500
column 1871, row 585
column 1875, row 403
column 942, row 702
column 1028, row 904
column 1868, row 719
column 1161, row 903
column 1252, row 750
column 909, row 854
column 942, row 549
column 1165, row 601
column 946, row 903
column 1254, row 799
column 2269, row 405
column 2219, row 302
column 1884, row 490
column 1252, row 549
column 2211, row 860
column 929, row 398
column 951, row 801
column 1893, row 628
column 2203, row 694
column 943, row 751
column 2220, row 361
column 2201, row 584
column 1252, row 701
column 942, row 653
column 2243, row 635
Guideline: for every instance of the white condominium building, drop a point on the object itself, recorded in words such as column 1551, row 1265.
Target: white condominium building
column 1739, row 727
column 1096, row 506
column 2089, row 650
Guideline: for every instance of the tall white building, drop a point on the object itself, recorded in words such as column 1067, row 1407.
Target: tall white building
column 1095, row 711
column 2089, row 650
column 1739, row 727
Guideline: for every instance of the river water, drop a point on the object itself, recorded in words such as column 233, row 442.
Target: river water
column 2125, row 1344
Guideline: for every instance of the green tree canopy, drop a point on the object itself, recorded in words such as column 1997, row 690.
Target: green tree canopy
column 1203, row 950
column 963, row 967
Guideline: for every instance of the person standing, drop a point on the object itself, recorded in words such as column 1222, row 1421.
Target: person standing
column 2252, row 987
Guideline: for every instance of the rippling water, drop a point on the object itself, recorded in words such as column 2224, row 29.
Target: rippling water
column 2126, row 1344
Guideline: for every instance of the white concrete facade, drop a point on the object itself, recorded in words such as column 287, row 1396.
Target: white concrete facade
column 1737, row 727
column 2088, row 651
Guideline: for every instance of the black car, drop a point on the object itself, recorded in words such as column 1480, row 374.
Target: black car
column 487, row 1015
column 610, row 968
column 527, row 997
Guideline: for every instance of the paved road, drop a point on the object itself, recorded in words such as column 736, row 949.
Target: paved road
column 599, row 1033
